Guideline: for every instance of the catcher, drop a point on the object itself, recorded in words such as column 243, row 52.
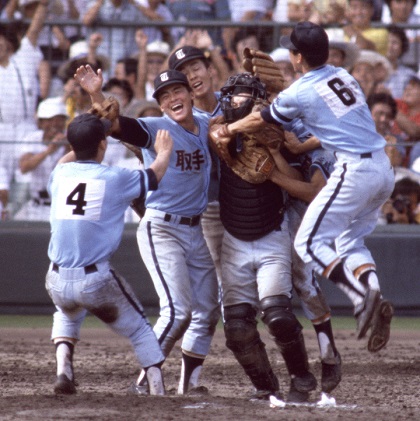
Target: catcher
column 256, row 251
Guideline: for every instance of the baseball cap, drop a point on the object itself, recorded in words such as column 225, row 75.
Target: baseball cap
column 184, row 54
column 307, row 38
column 169, row 77
column 51, row 107
column 86, row 131
column 158, row 47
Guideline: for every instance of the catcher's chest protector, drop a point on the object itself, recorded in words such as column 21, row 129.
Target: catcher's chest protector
column 249, row 211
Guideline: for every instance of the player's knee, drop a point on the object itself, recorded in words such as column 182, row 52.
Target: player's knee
column 240, row 326
column 279, row 318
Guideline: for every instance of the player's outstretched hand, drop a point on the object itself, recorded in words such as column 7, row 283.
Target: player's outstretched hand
column 90, row 81
column 163, row 148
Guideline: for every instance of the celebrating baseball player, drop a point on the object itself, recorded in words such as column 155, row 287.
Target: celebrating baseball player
column 87, row 220
column 199, row 71
column 170, row 238
column 332, row 107
column 256, row 251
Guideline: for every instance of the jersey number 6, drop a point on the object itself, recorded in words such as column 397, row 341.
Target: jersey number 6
column 345, row 94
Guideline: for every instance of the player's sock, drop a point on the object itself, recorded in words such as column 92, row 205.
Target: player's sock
column 346, row 281
column 370, row 278
column 155, row 380
column 64, row 354
column 190, row 372
column 326, row 342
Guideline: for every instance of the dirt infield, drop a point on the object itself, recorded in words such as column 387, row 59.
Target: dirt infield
column 383, row 386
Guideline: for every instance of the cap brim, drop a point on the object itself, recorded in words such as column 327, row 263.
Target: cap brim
column 165, row 84
column 286, row 42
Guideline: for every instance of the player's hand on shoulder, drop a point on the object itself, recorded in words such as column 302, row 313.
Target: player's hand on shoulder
column 164, row 142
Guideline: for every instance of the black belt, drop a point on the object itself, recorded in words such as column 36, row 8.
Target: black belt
column 42, row 202
column 88, row 269
column 366, row 155
column 184, row 220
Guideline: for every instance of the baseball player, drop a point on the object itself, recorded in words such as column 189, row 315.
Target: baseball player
column 41, row 151
column 256, row 263
column 87, row 220
column 332, row 107
column 198, row 69
column 170, row 237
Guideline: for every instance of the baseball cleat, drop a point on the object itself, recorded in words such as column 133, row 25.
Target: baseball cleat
column 305, row 382
column 64, row 386
column 296, row 396
column 264, row 395
column 365, row 314
column 331, row 375
column 381, row 326
column 139, row 389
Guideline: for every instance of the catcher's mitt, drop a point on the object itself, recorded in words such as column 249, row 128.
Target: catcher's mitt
column 262, row 65
column 109, row 110
column 253, row 162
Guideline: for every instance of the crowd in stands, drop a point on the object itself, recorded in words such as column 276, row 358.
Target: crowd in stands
column 39, row 95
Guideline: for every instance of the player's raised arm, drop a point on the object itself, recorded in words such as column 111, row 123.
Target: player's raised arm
column 91, row 82
column 163, row 147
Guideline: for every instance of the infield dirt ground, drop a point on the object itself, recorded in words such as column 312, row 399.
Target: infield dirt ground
column 383, row 386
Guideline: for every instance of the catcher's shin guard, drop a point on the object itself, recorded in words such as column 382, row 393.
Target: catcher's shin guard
column 243, row 339
column 296, row 359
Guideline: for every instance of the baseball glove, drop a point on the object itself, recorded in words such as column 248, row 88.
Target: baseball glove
column 262, row 65
column 109, row 110
column 253, row 162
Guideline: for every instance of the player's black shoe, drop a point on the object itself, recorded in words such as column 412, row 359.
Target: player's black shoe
column 381, row 326
column 364, row 314
column 295, row 396
column 331, row 375
column 64, row 386
column 304, row 382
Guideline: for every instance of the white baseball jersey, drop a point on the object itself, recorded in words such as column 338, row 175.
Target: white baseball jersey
column 87, row 210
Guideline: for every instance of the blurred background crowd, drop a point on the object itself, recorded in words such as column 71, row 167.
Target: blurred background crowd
column 43, row 42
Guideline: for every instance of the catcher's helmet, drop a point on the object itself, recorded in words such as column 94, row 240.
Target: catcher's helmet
column 242, row 83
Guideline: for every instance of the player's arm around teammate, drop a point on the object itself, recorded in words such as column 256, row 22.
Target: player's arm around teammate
column 169, row 236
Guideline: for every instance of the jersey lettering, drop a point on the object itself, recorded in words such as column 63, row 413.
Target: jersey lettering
column 340, row 94
column 79, row 192
column 190, row 161
column 80, row 198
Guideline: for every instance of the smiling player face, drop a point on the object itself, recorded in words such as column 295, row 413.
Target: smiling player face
column 199, row 77
column 176, row 102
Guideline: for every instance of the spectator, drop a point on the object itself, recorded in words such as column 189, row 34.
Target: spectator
column 407, row 122
column 343, row 54
column 40, row 155
column 329, row 12
column 383, row 108
column 370, row 70
column 83, row 52
column 360, row 30
column 400, row 75
column 126, row 69
column 402, row 12
column 403, row 205
column 203, row 10
column 282, row 59
column 19, row 62
column 244, row 37
column 154, row 54
column 157, row 11
column 117, row 42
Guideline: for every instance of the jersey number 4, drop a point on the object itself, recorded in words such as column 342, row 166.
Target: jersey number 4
column 77, row 198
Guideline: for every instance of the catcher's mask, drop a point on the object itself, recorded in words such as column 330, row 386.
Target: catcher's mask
column 243, row 83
